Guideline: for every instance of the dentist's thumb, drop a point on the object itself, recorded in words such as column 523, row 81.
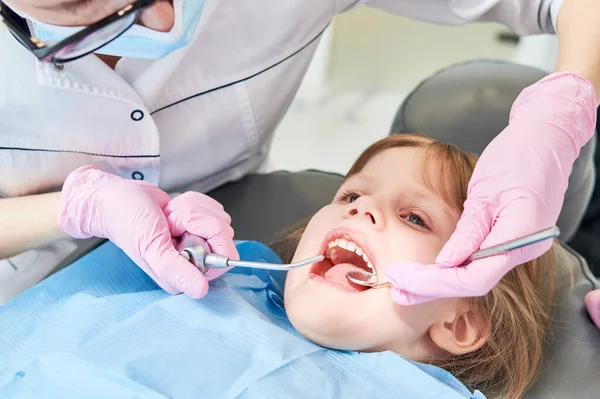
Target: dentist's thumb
column 175, row 273
column 471, row 231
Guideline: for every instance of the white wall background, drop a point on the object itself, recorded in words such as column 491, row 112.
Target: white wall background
column 367, row 62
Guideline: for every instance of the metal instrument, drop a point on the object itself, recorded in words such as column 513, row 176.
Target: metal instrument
column 371, row 280
column 204, row 260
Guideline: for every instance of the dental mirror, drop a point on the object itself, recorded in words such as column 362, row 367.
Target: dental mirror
column 371, row 280
column 366, row 279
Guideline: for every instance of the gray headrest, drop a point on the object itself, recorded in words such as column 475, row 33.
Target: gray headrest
column 262, row 205
column 469, row 104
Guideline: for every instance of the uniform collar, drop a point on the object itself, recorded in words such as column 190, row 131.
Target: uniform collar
column 134, row 80
column 87, row 75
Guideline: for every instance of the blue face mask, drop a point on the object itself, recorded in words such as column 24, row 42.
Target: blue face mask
column 138, row 41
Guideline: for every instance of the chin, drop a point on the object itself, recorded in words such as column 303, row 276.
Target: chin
column 327, row 330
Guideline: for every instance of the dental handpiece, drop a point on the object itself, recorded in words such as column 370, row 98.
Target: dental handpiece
column 205, row 260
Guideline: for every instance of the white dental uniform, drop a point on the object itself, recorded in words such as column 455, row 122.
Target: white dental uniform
column 204, row 113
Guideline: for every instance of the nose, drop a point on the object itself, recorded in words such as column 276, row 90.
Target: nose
column 159, row 16
column 366, row 209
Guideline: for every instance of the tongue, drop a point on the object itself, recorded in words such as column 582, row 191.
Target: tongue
column 338, row 272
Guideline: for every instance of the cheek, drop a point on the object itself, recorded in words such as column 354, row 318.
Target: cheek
column 308, row 246
column 425, row 250
column 320, row 224
column 410, row 245
column 422, row 316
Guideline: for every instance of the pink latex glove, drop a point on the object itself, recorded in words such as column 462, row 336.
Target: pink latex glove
column 130, row 214
column 592, row 302
column 517, row 188
column 203, row 217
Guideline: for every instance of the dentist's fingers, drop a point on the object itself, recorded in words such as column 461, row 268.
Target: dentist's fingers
column 471, row 231
column 161, row 198
column 194, row 199
column 204, row 217
column 175, row 274
column 592, row 303
column 413, row 283
column 214, row 229
column 188, row 240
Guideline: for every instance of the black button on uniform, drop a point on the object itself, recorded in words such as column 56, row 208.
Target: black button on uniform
column 137, row 176
column 137, row 115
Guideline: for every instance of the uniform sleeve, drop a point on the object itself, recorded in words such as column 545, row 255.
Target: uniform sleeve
column 523, row 17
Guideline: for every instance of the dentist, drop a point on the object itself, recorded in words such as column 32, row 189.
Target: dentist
column 104, row 101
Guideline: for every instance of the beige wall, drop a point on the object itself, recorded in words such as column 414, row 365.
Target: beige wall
column 374, row 50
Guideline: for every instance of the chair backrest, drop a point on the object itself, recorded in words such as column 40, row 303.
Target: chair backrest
column 263, row 205
column 469, row 104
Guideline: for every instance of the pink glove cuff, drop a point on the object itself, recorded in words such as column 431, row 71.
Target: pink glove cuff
column 81, row 183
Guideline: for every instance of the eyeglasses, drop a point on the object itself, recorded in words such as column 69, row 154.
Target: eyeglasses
column 80, row 44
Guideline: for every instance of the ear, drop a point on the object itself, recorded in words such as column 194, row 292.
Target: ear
column 462, row 331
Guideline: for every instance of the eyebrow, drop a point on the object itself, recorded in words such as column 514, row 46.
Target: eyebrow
column 360, row 179
column 427, row 195
column 44, row 5
column 430, row 196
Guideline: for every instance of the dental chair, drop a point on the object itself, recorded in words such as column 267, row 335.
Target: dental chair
column 467, row 105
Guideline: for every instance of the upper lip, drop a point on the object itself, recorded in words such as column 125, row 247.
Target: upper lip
column 351, row 235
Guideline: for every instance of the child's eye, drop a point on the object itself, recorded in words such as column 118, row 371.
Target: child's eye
column 350, row 196
column 416, row 219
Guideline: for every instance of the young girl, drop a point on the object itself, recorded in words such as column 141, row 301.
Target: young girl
column 401, row 200
column 102, row 328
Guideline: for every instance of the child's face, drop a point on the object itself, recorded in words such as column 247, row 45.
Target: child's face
column 388, row 212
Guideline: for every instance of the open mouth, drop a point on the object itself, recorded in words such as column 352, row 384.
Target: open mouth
column 342, row 254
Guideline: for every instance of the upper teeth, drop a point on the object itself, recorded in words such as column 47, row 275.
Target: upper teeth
column 352, row 247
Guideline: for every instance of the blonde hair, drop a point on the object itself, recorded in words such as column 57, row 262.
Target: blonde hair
column 519, row 309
